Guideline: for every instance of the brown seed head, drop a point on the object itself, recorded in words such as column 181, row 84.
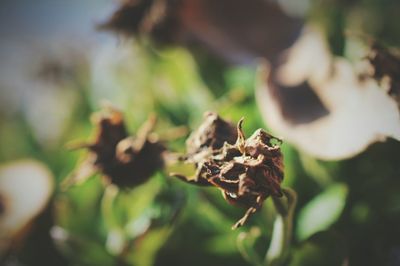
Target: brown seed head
column 246, row 170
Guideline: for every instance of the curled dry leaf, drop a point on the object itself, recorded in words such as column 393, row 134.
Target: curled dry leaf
column 320, row 104
column 246, row 170
column 246, row 30
column 124, row 160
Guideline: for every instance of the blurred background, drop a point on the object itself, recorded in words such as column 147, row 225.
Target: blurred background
column 321, row 74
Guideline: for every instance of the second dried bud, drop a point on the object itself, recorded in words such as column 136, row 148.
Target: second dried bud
column 124, row 160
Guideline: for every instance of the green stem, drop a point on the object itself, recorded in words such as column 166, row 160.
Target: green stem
column 245, row 243
column 116, row 240
column 282, row 232
column 107, row 205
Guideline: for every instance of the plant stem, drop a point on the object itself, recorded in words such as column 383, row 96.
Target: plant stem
column 282, row 232
column 107, row 205
column 245, row 244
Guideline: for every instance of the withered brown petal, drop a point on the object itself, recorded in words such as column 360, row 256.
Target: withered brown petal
column 144, row 164
column 110, row 131
column 211, row 134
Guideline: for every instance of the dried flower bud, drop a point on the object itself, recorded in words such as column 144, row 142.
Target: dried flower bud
column 124, row 160
column 234, row 37
column 247, row 171
column 157, row 18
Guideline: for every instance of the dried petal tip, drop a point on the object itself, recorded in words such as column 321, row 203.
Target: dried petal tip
column 246, row 170
column 124, row 160
column 211, row 135
column 386, row 64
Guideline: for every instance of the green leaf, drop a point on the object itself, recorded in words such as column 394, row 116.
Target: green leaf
column 322, row 211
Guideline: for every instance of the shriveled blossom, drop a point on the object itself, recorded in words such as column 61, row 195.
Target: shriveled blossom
column 247, row 171
column 124, row 160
